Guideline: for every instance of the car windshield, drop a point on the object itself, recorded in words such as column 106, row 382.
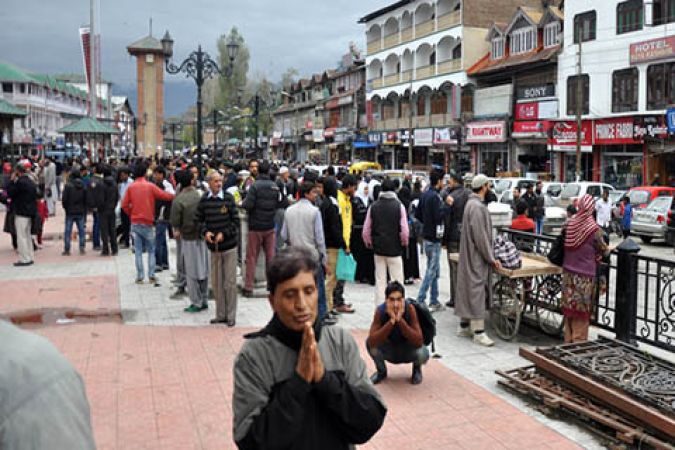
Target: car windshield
column 660, row 204
column 503, row 185
column 506, row 197
column 571, row 190
column 638, row 197
column 554, row 190
column 615, row 196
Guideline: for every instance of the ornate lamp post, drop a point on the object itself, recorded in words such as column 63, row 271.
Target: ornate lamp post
column 200, row 67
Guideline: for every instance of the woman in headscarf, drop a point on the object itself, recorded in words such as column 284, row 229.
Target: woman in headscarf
column 365, row 258
column 584, row 248
column 411, row 267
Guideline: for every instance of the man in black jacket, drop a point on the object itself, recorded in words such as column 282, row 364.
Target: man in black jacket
column 431, row 213
column 332, row 230
column 218, row 221
column 23, row 192
column 453, row 227
column 386, row 232
column 261, row 203
column 106, row 213
column 297, row 384
column 74, row 200
column 95, row 200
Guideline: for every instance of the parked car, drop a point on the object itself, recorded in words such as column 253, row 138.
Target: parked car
column 507, row 184
column 670, row 233
column 653, row 221
column 552, row 190
column 641, row 196
column 574, row 191
column 554, row 216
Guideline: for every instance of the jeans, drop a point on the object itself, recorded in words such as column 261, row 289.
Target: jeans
column 144, row 239
column 321, row 284
column 79, row 221
column 96, row 232
column 539, row 225
column 161, row 248
column 397, row 354
column 433, row 252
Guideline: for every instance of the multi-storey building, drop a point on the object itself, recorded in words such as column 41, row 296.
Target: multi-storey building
column 322, row 118
column 617, row 69
column 50, row 104
column 123, row 120
column 418, row 55
column 515, row 100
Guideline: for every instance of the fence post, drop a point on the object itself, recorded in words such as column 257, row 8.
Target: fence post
column 626, row 291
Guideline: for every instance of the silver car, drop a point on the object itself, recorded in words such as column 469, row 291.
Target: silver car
column 652, row 222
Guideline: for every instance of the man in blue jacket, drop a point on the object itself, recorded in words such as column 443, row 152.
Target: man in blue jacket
column 431, row 213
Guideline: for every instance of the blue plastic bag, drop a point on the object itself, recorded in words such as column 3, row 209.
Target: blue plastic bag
column 346, row 266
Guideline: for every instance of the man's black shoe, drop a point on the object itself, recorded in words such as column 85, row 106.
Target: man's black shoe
column 450, row 304
column 217, row 321
column 23, row 264
column 416, row 375
column 377, row 377
column 247, row 293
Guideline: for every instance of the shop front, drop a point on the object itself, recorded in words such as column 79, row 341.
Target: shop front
column 489, row 146
column 531, row 129
column 620, row 151
column 391, row 151
column 563, row 142
column 446, row 141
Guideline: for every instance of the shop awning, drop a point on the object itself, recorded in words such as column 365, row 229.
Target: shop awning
column 359, row 144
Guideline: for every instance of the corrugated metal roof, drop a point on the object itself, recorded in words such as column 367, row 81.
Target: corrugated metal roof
column 147, row 43
column 87, row 125
column 7, row 109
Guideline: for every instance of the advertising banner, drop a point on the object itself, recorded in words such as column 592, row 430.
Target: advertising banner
column 652, row 50
column 485, row 132
column 564, row 136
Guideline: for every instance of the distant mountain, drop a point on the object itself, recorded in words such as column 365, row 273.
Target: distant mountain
column 178, row 96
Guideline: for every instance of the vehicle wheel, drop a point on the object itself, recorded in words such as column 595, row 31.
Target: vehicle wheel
column 506, row 309
column 548, row 295
column 646, row 239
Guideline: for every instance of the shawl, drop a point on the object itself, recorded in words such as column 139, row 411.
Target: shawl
column 582, row 224
column 361, row 192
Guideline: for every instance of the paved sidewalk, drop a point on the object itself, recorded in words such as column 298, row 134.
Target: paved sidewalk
column 163, row 379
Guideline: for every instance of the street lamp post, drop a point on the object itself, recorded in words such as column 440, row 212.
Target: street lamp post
column 199, row 66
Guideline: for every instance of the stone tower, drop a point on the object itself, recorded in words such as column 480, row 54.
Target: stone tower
column 150, row 84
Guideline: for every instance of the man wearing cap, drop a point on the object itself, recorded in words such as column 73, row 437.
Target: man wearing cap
column 476, row 257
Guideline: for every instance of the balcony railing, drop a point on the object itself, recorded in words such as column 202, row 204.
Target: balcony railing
column 376, row 83
column 449, row 20
column 406, row 34
column 425, row 72
column 390, row 124
column 406, row 76
column 424, row 28
column 390, row 80
column 422, row 121
column 439, row 120
column 391, row 40
column 374, row 46
column 449, row 66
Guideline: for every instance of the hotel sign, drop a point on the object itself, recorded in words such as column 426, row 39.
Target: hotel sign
column 652, row 50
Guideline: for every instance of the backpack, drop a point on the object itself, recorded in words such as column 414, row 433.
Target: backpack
column 427, row 322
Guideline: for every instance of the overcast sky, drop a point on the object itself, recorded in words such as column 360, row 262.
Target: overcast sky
column 310, row 35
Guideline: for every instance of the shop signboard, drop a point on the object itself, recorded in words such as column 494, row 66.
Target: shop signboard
column 446, row 136
column 346, row 100
column 531, row 129
column 423, row 137
column 670, row 115
column 537, row 110
column 391, row 138
column 317, row 135
column 486, row 132
column 374, row 138
column 652, row 50
column 652, row 127
column 532, row 92
column 615, row 131
column 564, row 136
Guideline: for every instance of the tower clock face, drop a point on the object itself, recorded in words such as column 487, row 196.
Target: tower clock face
column 149, row 58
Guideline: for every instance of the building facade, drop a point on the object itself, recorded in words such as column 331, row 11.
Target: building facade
column 416, row 67
column 322, row 119
column 617, row 69
column 123, row 120
column 50, row 104
column 515, row 102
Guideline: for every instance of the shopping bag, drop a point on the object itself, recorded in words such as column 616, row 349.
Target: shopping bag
column 346, row 266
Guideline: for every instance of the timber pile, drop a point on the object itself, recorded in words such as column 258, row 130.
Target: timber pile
column 622, row 393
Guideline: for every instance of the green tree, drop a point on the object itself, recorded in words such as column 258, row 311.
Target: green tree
column 231, row 88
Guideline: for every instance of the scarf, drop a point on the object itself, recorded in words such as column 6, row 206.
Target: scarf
column 582, row 224
column 361, row 192
column 279, row 331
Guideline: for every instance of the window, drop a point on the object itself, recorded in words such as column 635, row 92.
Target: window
column 584, row 27
column 660, row 85
column 663, row 11
column 457, row 52
column 22, row 88
column 573, row 83
column 523, row 40
column 552, row 34
column 7, row 88
column 498, row 48
column 432, row 59
column 625, row 90
column 421, row 106
column 629, row 16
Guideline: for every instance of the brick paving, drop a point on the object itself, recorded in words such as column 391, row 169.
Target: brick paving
column 155, row 384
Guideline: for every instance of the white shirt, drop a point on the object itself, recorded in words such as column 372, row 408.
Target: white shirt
column 603, row 210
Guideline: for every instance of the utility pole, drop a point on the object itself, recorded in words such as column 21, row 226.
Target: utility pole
column 256, row 116
column 410, row 126
column 579, row 105
column 92, row 71
column 215, row 132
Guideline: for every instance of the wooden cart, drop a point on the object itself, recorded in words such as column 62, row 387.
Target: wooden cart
column 535, row 288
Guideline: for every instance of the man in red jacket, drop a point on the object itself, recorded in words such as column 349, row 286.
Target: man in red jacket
column 139, row 205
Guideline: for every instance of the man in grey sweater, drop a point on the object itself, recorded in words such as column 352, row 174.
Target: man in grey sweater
column 303, row 227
